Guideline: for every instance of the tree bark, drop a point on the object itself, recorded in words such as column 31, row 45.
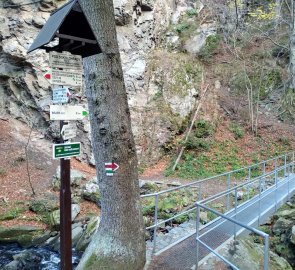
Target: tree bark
column 119, row 242
column 292, row 50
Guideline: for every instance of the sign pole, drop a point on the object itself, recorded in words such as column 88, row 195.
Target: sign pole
column 65, row 212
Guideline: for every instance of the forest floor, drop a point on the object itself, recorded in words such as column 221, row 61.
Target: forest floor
column 19, row 167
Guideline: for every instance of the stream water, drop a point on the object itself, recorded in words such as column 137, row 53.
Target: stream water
column 39, row 258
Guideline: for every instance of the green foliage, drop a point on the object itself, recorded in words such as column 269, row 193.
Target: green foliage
column 264, row 13
column 3, row 172
column 158, row 95
column 212, row 43
column 148, row 206
column 279, row 52
column 181, row 27
column 12, row 213
column 211, row 216
column 191, row 12
column 287, row 108
column 264, row 81
column 169, row 205
column 237, row 130
column 181, row 219
column 285, row 141
column 203, row 129
column 266, row 229
column 197, row 144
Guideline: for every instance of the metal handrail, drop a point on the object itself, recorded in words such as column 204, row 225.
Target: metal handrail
column 247, row 183
column 216, row 196
column 197, row 184
column 260, row 233
column 211, row 177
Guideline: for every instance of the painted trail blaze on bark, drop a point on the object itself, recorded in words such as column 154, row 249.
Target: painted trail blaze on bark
column 110, row 168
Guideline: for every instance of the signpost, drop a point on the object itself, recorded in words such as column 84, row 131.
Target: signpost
column 66, row 150
column 66, row 69
column 68, row 112
column 64, row 77
column 60, row 95
column 65, row 61
column 68, row 132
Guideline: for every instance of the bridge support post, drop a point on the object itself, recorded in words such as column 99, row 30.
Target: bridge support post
column 260, row 187
column 228, row 195
column 289, row 181
column 236, row 207
column 266, row 252
column 197, row 235
column 249, row 179
column 276, row 189
column 293, row 163
column 285, row 166
column 264, row 172
column 155, row 222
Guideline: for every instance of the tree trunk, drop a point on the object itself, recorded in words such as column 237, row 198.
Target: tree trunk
column 119, row 242
column 292, row 50
column 278, row 13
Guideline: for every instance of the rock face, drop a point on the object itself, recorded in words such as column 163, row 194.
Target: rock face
column 161, row 85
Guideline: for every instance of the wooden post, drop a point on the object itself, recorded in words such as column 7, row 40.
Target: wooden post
column 65, row 212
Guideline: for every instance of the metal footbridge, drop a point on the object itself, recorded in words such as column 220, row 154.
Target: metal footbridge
column 227, row 206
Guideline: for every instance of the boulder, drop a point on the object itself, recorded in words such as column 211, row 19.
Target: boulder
column 28, row 260
column 14, row 265
column 91, row 192
column 76, row 234
column 281, row 226
column 247, row 255
column 23, row 235
column 148, row 187
column 76, row 178
column 198, row 40
column 292, row 238
column 287, row 214
column 54, row 218
column 41, row 206
column 85, row 239
column 204, row 217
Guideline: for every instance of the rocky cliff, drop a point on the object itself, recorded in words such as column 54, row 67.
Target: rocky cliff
column 162, row 83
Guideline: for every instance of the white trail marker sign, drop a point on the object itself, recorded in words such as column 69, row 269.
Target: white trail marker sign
column 67, row 112
column 65, row 61
column 68, row 131
column 60, row 95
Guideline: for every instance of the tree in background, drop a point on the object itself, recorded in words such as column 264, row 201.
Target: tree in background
column 260, row 73
column 119, row 242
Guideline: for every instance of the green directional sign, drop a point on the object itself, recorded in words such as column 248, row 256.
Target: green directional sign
column 66, row 150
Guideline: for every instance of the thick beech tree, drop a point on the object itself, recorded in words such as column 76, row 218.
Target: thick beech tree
column 119, row 242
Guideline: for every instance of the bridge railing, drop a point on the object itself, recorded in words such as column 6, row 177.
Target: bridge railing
column 220, row 187
column 255, row 188
column 204, row 239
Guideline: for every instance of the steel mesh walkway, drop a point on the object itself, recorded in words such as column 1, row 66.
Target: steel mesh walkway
column 183, row 255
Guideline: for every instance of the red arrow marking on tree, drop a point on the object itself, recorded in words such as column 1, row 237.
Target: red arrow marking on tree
column 114, row 166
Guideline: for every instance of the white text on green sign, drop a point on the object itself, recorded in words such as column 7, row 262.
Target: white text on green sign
column 66, row 150
column 67, row 112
